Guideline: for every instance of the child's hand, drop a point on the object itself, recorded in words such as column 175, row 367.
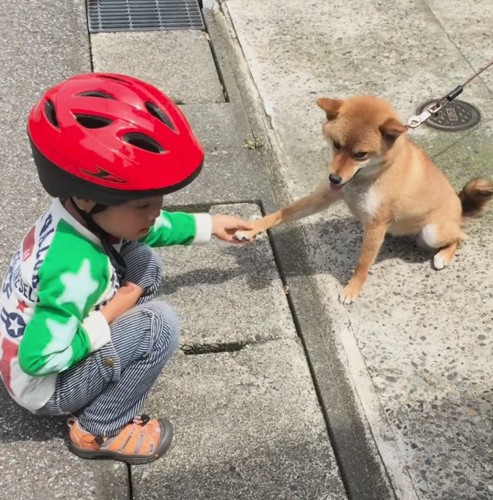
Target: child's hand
column 124, row 299
column 225, row 226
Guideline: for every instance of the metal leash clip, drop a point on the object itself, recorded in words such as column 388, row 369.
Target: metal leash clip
column 434, row 107
column 417, row 120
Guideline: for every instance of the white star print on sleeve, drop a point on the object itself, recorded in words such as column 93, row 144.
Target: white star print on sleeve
column 59, row 351
column 78, row 286
column 162, row 222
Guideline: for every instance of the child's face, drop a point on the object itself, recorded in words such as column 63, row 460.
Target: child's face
column 132, row 220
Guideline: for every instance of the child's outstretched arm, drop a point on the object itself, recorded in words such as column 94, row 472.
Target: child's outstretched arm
column 179, row 228
column 225, row 226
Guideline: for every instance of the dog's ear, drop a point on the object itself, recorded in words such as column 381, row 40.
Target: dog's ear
column 391, row 129
column 330, row 106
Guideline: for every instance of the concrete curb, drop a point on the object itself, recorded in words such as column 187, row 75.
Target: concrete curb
column 378, row 448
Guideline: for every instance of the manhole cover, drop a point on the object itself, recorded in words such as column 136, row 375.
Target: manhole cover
column 143, row 15
column 456, row 115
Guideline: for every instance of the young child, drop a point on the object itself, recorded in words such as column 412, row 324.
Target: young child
column 80, row 333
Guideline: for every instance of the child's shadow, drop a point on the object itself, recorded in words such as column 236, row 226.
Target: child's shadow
column 250, row 262
column 197, row 277
column 18, row 424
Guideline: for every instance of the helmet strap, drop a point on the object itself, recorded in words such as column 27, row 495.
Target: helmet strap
column 116, row 259
column 96, row 209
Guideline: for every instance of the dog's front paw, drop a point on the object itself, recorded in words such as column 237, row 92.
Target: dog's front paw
column 439, row 262
column 349, row 293
column 245, row 235
column 442, row 259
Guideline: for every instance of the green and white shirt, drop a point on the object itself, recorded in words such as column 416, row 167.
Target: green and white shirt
column 52, row 292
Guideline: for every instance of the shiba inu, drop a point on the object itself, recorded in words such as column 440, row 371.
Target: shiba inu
column 388, row 183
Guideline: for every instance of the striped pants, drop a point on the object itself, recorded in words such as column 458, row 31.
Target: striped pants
column 108, row 389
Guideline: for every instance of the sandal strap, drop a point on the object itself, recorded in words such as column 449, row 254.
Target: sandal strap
column 141, row 419
column 135, row 439
column 137, row 443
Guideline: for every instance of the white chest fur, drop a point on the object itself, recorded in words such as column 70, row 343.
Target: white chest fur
column 363, row 201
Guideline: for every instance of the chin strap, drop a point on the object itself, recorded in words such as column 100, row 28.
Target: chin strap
column 116, row 259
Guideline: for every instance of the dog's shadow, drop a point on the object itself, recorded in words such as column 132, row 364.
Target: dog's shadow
column 18, row 424
column 334, row 242
column 339, row 242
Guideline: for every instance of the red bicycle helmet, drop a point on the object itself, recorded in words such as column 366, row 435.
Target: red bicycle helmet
column 111, row 138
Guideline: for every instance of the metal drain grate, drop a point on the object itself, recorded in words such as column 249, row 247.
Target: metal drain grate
column 455, row 116
column 143, row 15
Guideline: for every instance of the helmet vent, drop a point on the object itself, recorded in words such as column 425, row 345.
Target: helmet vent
column 159, row 114
column 51, row 114
column 95, row 93
column 92, row 121
column 143, row 141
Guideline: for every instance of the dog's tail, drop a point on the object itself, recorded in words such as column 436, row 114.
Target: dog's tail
column 475, row 197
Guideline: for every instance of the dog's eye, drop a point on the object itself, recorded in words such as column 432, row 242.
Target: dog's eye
column 360, row 155
column 337, row 145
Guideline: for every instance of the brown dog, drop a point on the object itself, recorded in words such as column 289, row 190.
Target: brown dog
column 388, row 183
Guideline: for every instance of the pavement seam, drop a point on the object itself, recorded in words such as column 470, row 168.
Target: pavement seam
column 89, row 38
column 215, row 59
column 196, row 348
column 130, row 484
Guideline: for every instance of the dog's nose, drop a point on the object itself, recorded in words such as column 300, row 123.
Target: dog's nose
column 335, row 179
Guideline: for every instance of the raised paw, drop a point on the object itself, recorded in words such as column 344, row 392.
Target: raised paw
column 349, row 294
column 245, row 235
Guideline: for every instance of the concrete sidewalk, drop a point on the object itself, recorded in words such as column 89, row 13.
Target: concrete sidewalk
column 278, row 391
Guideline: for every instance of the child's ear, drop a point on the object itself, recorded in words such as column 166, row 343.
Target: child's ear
column 330, row 106
column 391, row 129
column 84, row 204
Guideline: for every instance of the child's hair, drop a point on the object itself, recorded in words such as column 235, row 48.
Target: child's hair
column 111, row 138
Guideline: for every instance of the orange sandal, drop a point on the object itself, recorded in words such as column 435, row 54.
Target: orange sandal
column 141, row 441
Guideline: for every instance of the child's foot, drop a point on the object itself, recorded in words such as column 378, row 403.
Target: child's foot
column 139, row 442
